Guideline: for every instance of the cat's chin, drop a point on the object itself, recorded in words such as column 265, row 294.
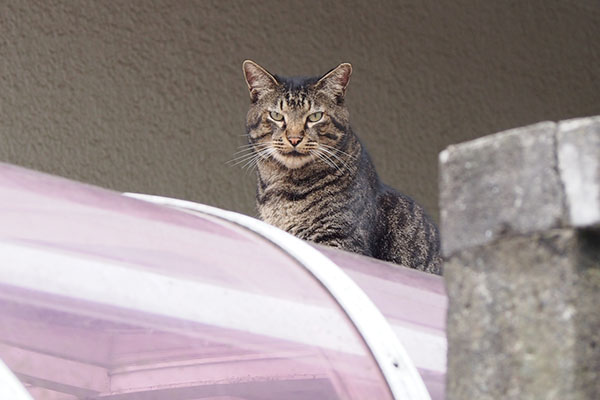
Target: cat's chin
column 293, row 161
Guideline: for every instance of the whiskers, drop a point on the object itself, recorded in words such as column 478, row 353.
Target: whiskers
column 331, row 156
column 250, row 154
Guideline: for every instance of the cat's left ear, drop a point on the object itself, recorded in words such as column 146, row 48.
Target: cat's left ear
column 258, row 79
column 335, row 81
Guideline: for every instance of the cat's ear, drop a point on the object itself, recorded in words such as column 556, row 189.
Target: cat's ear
column 258, row 79
column 335, row 81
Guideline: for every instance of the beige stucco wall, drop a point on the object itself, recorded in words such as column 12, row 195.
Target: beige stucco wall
column 148, row 96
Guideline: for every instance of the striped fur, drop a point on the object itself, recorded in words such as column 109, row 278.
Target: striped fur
column 315, row 179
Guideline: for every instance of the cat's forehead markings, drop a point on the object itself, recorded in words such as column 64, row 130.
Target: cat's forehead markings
column 297, row 100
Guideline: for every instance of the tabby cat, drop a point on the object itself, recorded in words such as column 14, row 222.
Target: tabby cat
column 315, row 179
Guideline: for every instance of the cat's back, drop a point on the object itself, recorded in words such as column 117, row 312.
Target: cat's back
column 405, row 234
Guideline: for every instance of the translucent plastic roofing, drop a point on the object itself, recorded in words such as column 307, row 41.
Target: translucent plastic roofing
column 103, row 296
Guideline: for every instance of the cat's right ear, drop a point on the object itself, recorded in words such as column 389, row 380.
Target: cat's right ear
column 258, row 79
column 335, row 81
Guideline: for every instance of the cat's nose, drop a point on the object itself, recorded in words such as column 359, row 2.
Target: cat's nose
column 294, row 140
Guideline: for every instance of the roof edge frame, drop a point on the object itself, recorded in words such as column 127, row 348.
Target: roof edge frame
column 10, row 386
column 397, row 368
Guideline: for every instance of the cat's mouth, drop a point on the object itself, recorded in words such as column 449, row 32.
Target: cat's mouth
column 293, row 158
column 295, row 153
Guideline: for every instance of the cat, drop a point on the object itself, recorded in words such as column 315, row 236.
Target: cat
column 315, row 178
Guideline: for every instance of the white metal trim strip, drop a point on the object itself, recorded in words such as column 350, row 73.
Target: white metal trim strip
column 397, row 368
column 10, row 386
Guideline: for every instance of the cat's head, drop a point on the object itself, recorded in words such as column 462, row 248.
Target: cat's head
column 297, row 121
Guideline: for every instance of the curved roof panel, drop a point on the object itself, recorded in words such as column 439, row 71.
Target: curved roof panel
column 110, row 297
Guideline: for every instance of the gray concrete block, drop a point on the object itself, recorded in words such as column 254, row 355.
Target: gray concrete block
column 523, row 319
column 500, row 185
column 579, row 165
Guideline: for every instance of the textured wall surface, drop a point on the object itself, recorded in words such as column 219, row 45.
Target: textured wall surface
column 148, row 96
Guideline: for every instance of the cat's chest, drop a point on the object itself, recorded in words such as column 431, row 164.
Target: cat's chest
column 297, row 204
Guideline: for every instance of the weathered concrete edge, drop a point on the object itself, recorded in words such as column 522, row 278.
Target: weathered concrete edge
column 454, row 237
column 578, row 152
column 484, row 141
column 579, row 181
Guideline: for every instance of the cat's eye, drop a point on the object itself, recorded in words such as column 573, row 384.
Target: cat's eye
column 314, row 117
column 275, row 116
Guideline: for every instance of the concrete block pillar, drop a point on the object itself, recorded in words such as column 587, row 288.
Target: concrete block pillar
column 520, row 223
